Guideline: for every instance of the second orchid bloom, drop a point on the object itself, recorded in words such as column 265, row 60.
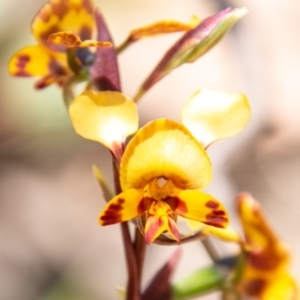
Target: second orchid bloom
column 165, row 165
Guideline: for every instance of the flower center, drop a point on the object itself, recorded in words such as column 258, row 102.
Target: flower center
column 160, row 188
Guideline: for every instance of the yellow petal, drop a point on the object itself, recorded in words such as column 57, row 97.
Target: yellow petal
column 164, row 148
column 258, row 233
column 227, row 234
column 72, row 40
column 282, row 287
column 198, row 206
column 64, row 15
column 35, row 61
column 213, row 115
column 122, row 207
column 107, row 117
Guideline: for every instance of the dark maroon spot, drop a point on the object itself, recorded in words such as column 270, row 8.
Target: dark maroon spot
column 56, row 68
column 85, row 33
column 144, row 205
column 22, row 61
column 255, row 287
column 176, row 204
column 212, row 204
column 264, row 260
column 109, row 220
column 113, row 208
column 88, row 4
column 112, row 214
column 216, row 218
column 219, row 212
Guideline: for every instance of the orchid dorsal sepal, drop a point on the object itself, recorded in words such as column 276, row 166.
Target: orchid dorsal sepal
column 106, row 117
column 72, row 40
column 106, row 189
column 211, row 115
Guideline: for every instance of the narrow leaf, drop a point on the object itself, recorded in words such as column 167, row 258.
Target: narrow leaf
column 106, row 190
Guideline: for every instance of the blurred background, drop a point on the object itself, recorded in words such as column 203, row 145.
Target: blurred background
column 51, row 246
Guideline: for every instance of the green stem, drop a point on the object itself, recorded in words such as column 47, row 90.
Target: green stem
column 72, row 61
column 124, row 45
column 139, row 95
column 69, row 87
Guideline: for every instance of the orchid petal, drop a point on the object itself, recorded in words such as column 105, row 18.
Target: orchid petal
column 122, row 207
column 35, row 60
column 212, row 115
column 107, row 117
column 63, row 15
column 198, row 206
column 164, row 148
column 227, row 234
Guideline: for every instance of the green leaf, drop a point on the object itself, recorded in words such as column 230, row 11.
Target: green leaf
column 199, row 282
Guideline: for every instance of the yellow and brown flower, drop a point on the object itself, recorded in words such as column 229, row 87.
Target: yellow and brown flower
column 69, row 20
column 266, row 274
column 164, row 167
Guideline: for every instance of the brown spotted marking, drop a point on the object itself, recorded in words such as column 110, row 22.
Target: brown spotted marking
column 144, row 205
column 45, row 81
column 176, row 204
column 61, row 9
column 85, row 33
column 255, row 287
column 22, row 61
column 216, row 218
column 212, row 204
column 264, row 260
column 56, row 68
column 112, row 214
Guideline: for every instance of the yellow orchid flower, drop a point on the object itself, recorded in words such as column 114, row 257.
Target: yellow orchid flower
column 164, row 167
column 71, row 21
column 266, row 275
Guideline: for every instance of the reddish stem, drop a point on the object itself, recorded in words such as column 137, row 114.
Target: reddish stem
column 132, row 256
